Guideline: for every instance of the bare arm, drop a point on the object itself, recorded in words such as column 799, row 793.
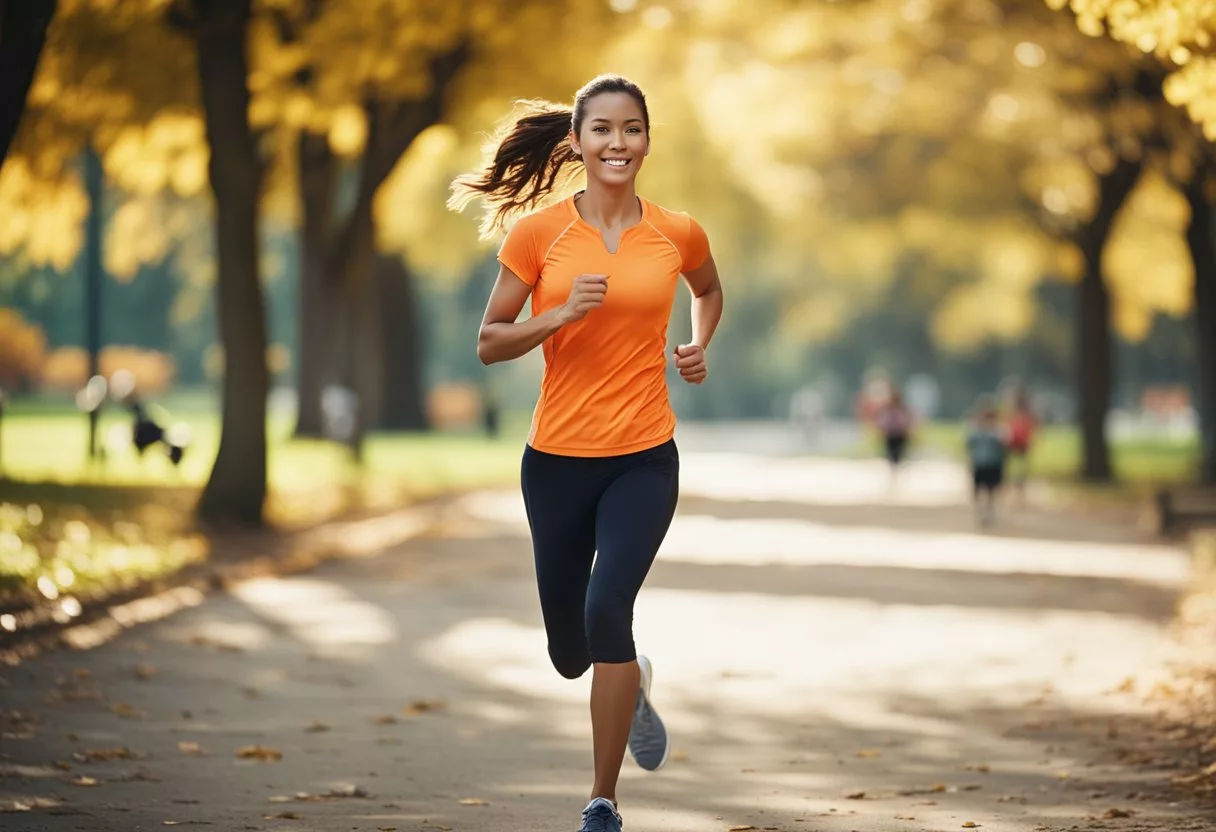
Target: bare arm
column 502, row 338
column 706, row 291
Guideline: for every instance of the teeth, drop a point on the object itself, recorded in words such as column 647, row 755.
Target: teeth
column 617, row 163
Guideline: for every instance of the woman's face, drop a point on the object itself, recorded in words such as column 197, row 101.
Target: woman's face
column 613, row 139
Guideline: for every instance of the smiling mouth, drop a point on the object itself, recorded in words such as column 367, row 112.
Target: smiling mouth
column 617, row 163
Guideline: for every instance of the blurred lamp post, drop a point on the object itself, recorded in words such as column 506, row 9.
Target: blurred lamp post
column 94, row 182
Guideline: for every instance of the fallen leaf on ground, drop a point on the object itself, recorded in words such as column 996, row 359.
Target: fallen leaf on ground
column 1118, row 813
column 190, row 748
column 678, row 757
column 423, row 706
column 385, row 719
column 936, row 788
column 105, row 754
column 29, row 804
column 259, row 752
column 145, row 672
column 283, row 816
column 868, row 753
column 127, row 711
column 85, row 781
column 316, row 728
column 742, row 828
column 437, row 826
column 970, row 824
column 473, row 801
column 855, row 796
column 905, row 817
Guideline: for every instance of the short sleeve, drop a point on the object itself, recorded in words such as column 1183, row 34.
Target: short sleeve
column 520, row 252
column 696, row 247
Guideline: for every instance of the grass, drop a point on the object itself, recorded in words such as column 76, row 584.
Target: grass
column 49, row 444
column 1056, row 454
column 72, row 527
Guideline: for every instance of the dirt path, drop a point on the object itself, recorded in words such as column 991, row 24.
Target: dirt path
column 831, row 652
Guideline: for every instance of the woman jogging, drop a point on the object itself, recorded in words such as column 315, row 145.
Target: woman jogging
column 600, row 470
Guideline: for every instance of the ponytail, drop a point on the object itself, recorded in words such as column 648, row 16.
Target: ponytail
column 530, row 158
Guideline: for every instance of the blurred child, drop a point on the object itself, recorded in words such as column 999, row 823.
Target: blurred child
column 1022, row 426
column 986, row 448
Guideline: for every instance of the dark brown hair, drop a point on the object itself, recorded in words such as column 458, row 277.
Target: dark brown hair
column 530, row 157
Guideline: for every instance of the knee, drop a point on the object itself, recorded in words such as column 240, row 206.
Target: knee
column 610, row 629
column 569, row 662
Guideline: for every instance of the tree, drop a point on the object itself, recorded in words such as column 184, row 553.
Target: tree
column 236, row 489
column 1201, row 239
column 1179, row 32
column 23, row 25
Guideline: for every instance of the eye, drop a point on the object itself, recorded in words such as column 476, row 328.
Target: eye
column 600, row 129
column 635, row 129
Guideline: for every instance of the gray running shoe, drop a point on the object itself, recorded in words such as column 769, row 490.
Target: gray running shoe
column 649, row 743
column 600, row 816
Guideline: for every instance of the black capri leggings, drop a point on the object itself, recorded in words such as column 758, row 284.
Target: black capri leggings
column 614, row 509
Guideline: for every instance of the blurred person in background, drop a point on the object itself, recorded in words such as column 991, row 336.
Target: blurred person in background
column 894, row 421
column 600, row 470
column 986, row 447
column 1021, row 426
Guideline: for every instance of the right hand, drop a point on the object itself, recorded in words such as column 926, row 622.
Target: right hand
column 586, row 294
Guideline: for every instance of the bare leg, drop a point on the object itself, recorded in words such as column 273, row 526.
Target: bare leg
column 614, row 692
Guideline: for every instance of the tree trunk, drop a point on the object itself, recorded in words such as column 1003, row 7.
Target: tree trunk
column 236, row 491
column 319, row 302
column 404, row 398
column 391, row 129
column 23, row 25
column 1095, row 362
column 367, row 352
column 1202, row 242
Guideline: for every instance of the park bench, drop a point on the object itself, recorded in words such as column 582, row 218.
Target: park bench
column 1182, row 510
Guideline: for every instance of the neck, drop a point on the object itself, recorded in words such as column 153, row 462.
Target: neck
column 608, row 206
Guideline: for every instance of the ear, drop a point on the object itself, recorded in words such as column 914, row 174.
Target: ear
column 578, row 151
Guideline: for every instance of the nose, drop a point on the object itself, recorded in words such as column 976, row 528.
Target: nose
column 618, row 141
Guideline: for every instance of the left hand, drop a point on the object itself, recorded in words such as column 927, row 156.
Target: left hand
column 690, row 361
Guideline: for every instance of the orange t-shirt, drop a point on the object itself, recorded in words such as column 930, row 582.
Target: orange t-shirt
column 604, row 390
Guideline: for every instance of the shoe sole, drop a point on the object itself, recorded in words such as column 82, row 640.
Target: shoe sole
column 647, row 672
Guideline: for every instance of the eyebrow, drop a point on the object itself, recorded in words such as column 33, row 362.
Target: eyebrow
column 609, row 121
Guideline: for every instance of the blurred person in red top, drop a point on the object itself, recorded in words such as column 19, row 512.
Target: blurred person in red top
column 1021, row 426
